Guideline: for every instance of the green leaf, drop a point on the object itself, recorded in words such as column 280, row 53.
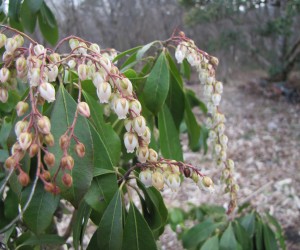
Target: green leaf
column 11, row 205
column 175, row 101
column 194, row 101
column 107, row 142
column 137, row 234
column 40, row 240
column 48, row 24
column 82, row 173
column 198, row 233
column 28, row 17
column 157, row 85
column 35, row 5
column 259, row 235
column 269, row 238
column 80, row 222
column 279, row 231
column 169, row 136
column 101, row 192
column 185, row 69
column 9, row 106
column 6, row 127
column 110, row 231
column 194, row 129
column 242, row 236
column 174, row 70
column 228, row 240
column 211, row 243
column 39, row 213
column 248, row 222
column 14, row 9
column 126, row 52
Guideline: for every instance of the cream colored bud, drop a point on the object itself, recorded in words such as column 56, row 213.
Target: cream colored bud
column 146, row 136
column 97, row 79
column 83, row 109
column 195, row 177
column 104, row 92
column 10, row 162
column 208, row 90
column 218, row 149
column 34, row 76
column 82, row 71
column 158, row 180
column 223, row 155
column 130, row 141
column 82, row 48
column 2, row 40
column 49, row 159
column 20, row 40
column 47, row 91
column 67, row 162
column 216, row 99
column 64, row 142
column 219, row 87
column 173, row 181
column 39, row 49
column 142, row 154
column 139, row 125
column 11, row 45
column 214, row 61
column 95, row 47
column 207, row 181
column 33, row 149
column 135, row 108
column 221, row 128
column 223, row 140
column 80, row 149
column 153, row 156
column 20, row 127
column 126, row 86
column 54, row 57
column 25, row 140
column 128, row 125
column 121, row 107
column 52, row 73
column 211, row 107
column 74, row 43
column 21, row 64
column 67, row 180
column 230, row 164
column 146, row 177
column 44, row 125
column 71, row 64
column 49, row 140
column 4, row 74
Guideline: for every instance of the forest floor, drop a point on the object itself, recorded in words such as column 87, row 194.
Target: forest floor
column 264, row 141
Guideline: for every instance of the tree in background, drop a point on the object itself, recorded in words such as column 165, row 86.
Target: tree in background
column 266, row 29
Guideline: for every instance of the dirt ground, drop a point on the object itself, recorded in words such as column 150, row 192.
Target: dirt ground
column 264, row 141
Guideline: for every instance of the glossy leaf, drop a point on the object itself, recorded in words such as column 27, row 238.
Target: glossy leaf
column 157, row 85
column 269, row 238
column 14, row 9
column 198, row 233
column 228, row 240
column 48, row 25
column 110, row 231
column 35, row 5
column 193, row 128
column 80, row 222
column 126, row 53
column 169, row 136
column 6, row 127
column 259, row 244
column 28, row 16
column 39, row 214
column 137, row 234
column 279, row 232
column 11, row 205
column 185, row 69
column 248, row 222
column 242, row 236
column 211, row 243
column 82, row 173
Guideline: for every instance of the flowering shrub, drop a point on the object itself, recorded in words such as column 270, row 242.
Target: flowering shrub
column 83, row 130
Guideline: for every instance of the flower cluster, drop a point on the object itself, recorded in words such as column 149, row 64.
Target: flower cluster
column 212, row 90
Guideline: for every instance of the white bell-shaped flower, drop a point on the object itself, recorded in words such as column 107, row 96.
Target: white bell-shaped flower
column 146, row 136
column 130, row 141
column 158, row 180
column 20, row 127
column 34, row 76
column 44, row 125
column 128, row 125
column 173, row 181
column 121, row 107
column 97, row 79
column 135, row 108
column 139, row 125
column 84, row 109
column 104, row 92
column 3, row 95
column 153, row 156
column 52, row 73
column 142, row 154
column 47, row 91
column 82, row 71
column 11, row 45
column 216, row 99
column 219, row 87
column 179, row 55
column 39, row 49
column 146, row 177
column 25, row 140
column 4, row 74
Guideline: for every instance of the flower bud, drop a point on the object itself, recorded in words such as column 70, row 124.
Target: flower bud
column 46, row 175
column 216, row 98
column 192, row 59
column 179, row 55
column 80, row 149
column 25, row 140
column 54, row 57
column 82, row 71
column 4, row 74
column 146, row 136
column 107, row 62
column 64, row 142
column 67, row 162
column 11, row 45
column 219, row 87
column 2, row 40
column 121, row 107
column 83, row 48
column 135, row 108
column 207, row 181
column 38, row 49
column 44, row 125
column 47, row 91
column 104, row 92
column 128, row 125
column 146, row 177
column 49, row 159
column 21, row 65
column 52, row 73
column 210, row 80
column 71, row 64
column 34, row 76
column 211, row 108
column 158, row 180
column 223, row 155
column 139, row 125
column 187, row 172
column 142, row 154
column 221, row 128
column 10, row 162
column 23, row 179
column 208, row 90
column 33, row 149
column 214, row 61
column 74, row 43
column 95, row 47
column 223, row 140
column 67, row 180
column 230, row 164
column 21, row 126
column 195, row 177
column 152, row 155
column 20, row 40
column 218, row 149
column 126, row 86
column 83, row 109
column 173, row 181
column 49, row 140
column 130, row 141
column 97, row 79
